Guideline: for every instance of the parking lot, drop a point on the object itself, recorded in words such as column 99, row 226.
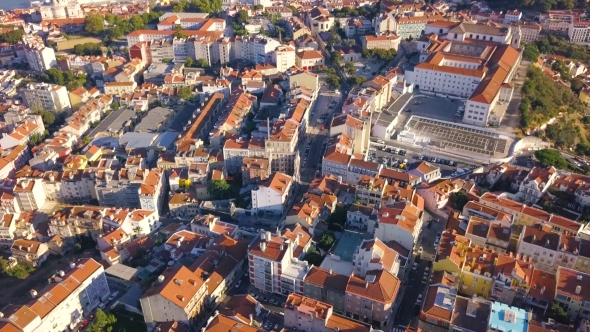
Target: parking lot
column 458, row 137
column 434, row 107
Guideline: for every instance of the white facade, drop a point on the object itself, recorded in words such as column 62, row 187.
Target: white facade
column 284, row 58
column 431, row 79
column 29, row 194
column 40, row 58
column 50, row 96
column 476, row 113
column 269, row 198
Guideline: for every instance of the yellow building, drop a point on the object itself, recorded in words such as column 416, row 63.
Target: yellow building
column 93, row 154
column 477, row 272
column 473, row 266
column 450, row 253
column 75, row 162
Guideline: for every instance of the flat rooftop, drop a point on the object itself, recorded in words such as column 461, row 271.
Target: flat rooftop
column 114, row 122
column 155, row 121
column 347, row 245
column 458, row 137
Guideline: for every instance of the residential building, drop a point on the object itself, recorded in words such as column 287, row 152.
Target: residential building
column 354, row 128
column 360, row 216
column 536, row 183
column 29, row 252
column 255, row 170
column 309, row 60
column 542, row 293
column 176, row 295
column 306, row 314
column 403, row 178
column 120, row 187
column 304, row 78
column 274, row 261
column 542, row 245
column 436, row 195
column 400, row 222
column 212, row 226
column 358, row 168
column 326, row 286
column 512, row 279
column 71, row 295
column 284, row 57
column 29, row 194
column 73, row 221
column 571, row 292
column 470, row 315
column 319, row 19
column 119, row 88
column 477, row 268
column 526, row 32
column 426, row 172
column 152, row 191
column 271, row 195
column 371, row 299
column 487, row 234
column 39, row 57
column 48, row 96
column 386, row 41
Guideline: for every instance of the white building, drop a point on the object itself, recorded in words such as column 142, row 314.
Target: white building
column 319, row 19
column 274, row 265
column 271, row 195
column 284, row 57
column 29, row 194
column 426, row 172
column 63, row 304
column 153, row 190
column 39, row 57
column 536, row 183
column 49, row 96
column 258, row 49
column 401, row 223
column 542, row 245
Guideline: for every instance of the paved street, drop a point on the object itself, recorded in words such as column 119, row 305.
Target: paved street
column 408, row 312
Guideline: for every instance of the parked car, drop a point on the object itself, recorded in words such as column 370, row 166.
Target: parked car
column 426, row 271
column 424, row 279
column 414, row 266
column 419, row 299
column 113, row 295
column 420, row 250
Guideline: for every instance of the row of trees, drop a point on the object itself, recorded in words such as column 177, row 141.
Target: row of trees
column 197, row 6
column 12, row 37
column 117, row 26
column 367, row 12
column 66, row 78
column 88, row 49
column 379, row 54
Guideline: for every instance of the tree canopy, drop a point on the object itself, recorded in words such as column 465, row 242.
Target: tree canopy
column 88, row 49
column 102, row 322
column 219, row 189
column 458, row 199
column 66, row 78
column 313, row 257
column 543, row 99
column 197, row 6
column 531, row 52
column 549, row 157
column 185, row 93
column 12, row 37
column 94, row 24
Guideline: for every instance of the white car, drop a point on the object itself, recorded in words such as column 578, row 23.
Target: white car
column 414, row 266
column 420, row 250
column 380, row 142
column 419, row 300
column 426, row 271
column 113, row 295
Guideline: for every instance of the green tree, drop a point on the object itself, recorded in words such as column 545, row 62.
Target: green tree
column 86, row 140
column 549, row 157
column 337, row 58
column 219, row 189
column 583, row 149
column 458, row 200
column 12, row 37
column 102, row 322
column 189, row 62
column 577, row 85
column 202, row 63
column 293, row 10
column 47, row 117
column 563, row 133
column 349, row 67
column 94, row 24
column 259, row 7
column 313, row 257
column 556, row 312
column 333, row 81
column 356, row 80
column 115, row 106
column 136, row 23
column 242, row 17
column 185, row 93
column 337, row 219
column 326, row 240
column 560, row 67
column 137, row 230
column 531, row 52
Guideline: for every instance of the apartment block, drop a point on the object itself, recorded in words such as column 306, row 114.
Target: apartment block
column 306, row 314
column 48, row 96
column 271, row 195
column 70, row 296
column 274, row 261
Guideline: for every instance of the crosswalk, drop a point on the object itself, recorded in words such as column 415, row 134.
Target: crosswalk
column 399, row 328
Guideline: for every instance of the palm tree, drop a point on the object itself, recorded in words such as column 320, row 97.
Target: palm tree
column 137, row 230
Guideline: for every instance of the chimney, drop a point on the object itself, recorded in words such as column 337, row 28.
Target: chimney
column 578, row 289
column 263, row 246
column 72, row 265
column 366, row 284
column 161, row 279
column 251, row 320
column 330, row 271
column 61, row 273
column 33, row 293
